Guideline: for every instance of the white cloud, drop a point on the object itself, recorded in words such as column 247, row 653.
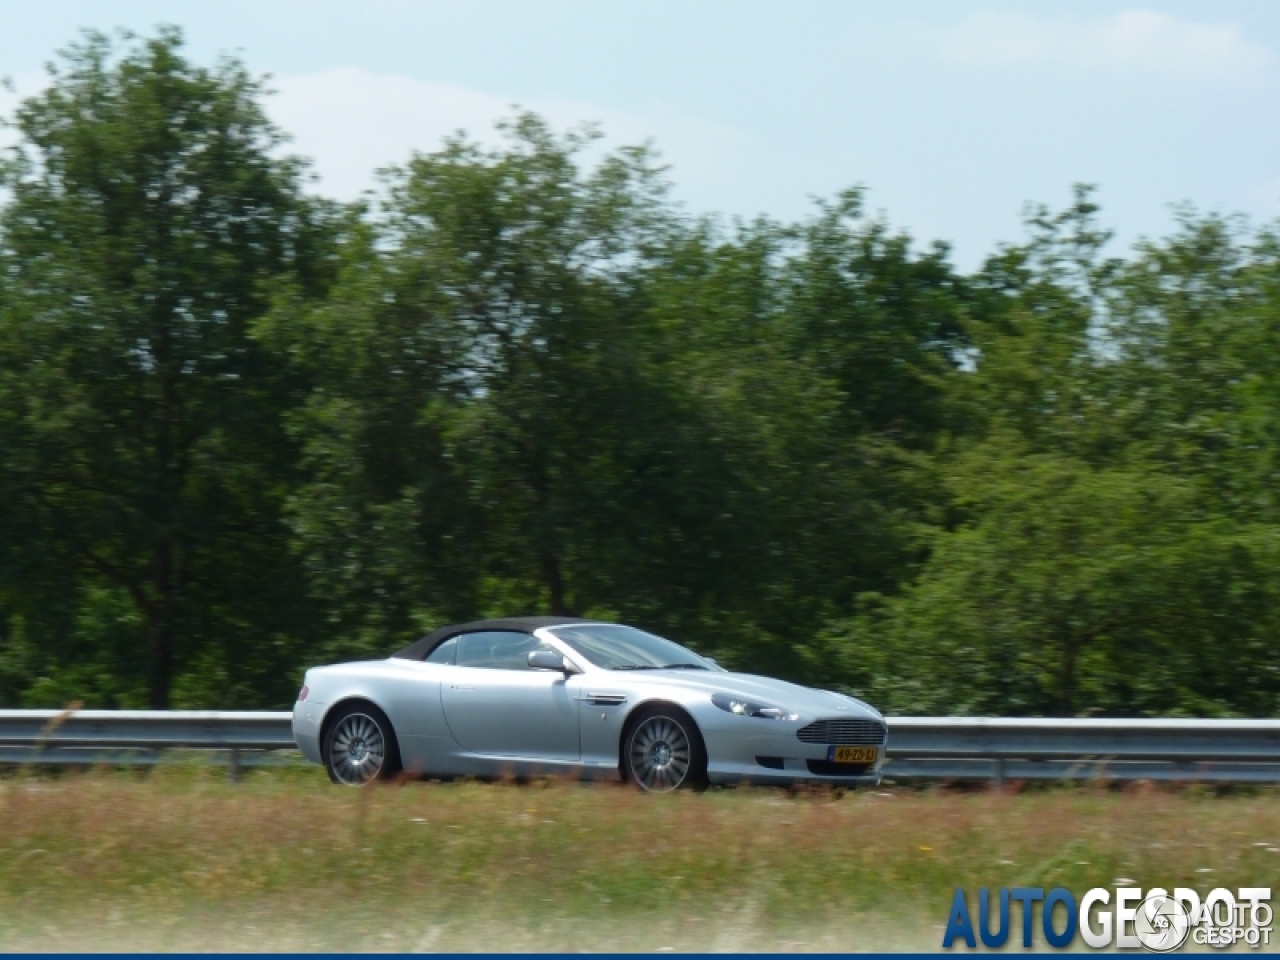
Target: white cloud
column 1135, row 40
column 352, row 121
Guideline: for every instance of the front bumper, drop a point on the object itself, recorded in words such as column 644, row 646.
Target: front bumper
column 734, row 755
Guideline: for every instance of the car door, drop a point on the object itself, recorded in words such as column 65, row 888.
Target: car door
column 496, row 705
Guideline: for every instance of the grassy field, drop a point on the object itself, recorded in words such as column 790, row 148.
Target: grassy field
column 182, row 860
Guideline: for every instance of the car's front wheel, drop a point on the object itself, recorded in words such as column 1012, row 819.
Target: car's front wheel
column 663, row 751
column 359, row 745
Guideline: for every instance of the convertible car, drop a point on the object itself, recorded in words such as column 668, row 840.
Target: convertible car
column 553, row 695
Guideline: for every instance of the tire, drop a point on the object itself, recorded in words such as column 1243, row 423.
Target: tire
column 663, row 751
column 359, row 745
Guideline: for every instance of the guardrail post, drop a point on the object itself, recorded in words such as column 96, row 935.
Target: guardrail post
column 233, row 765
column 999, row 777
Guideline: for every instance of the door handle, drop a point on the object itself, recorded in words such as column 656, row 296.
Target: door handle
column 454, row 686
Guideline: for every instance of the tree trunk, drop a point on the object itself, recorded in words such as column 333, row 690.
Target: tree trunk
column 1067, row 677
column 555, row 585
column 160, row 629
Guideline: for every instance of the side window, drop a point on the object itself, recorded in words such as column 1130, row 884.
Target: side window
column 496, row 649
column 447, row 652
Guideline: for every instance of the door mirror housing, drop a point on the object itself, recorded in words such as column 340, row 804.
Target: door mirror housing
column 550, row 660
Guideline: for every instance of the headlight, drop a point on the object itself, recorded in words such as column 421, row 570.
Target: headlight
column 749, row 708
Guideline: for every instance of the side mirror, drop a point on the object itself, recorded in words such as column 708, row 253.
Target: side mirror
column 548, row 660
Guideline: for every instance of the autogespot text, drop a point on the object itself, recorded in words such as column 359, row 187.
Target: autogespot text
column 1124, row 917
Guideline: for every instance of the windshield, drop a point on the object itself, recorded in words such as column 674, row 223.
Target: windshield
column 626, row 648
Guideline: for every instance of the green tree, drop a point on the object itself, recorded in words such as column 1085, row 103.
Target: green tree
column 881, row 320
column 141, row 453
column 1075, row 591
column 539, row 387
column 780, row 503
column 1101, row 547
column 475, row 369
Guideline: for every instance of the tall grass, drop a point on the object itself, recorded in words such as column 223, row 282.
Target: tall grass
column 184, row 860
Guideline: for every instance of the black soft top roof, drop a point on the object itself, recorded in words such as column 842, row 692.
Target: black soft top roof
column 419, row 649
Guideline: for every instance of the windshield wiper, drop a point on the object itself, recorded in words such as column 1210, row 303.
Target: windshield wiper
column 634, row 666
column 683, row 666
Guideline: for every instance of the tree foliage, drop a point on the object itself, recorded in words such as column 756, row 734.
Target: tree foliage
column 244, row 430
column 139, row 423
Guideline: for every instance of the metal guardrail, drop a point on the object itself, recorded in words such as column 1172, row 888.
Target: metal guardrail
column 145, row 737
column 999, row 748
column 146, row 729
column 932, row 748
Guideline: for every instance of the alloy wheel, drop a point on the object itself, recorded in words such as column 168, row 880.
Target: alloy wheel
column 357, row 749
column 660, row 754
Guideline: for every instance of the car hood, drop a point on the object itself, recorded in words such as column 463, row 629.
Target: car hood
column 775, row 693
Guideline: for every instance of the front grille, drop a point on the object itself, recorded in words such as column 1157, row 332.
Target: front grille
column 844, row 731
column 825, row 768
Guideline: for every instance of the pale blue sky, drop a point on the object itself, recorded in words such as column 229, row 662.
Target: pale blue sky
column 953, row 115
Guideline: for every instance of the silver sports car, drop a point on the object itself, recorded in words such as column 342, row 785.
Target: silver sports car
column 555, row 695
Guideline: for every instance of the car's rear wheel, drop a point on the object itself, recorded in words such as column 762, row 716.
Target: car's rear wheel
column 663, row 751
column 360, row 746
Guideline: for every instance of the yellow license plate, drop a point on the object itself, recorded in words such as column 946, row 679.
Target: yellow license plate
column 852, row 754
